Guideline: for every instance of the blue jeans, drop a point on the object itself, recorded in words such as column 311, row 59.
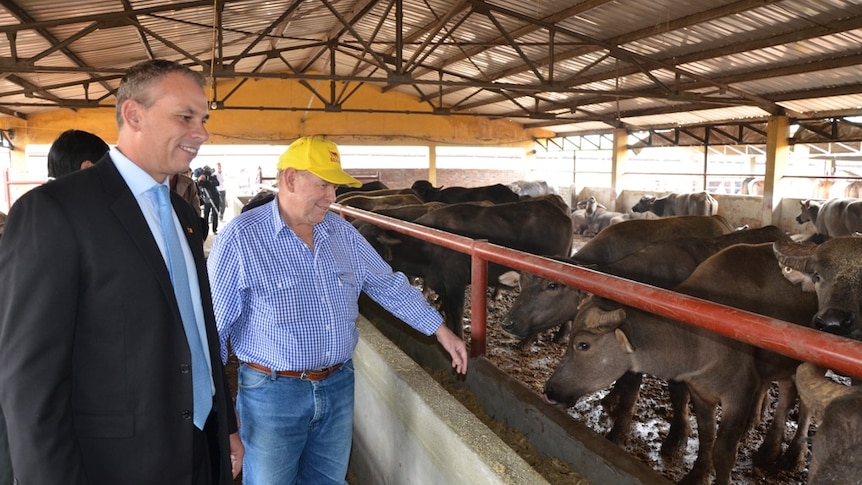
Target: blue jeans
column 295, row 431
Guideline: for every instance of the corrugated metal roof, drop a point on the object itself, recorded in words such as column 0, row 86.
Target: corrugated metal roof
column 568, row 66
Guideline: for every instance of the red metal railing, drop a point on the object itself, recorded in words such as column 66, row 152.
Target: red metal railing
column 841, row 354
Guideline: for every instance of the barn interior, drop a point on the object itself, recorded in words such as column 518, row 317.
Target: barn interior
column 759, row 80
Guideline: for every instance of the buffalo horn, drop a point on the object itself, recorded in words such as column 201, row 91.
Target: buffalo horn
column 794, row 255
column 599, row 319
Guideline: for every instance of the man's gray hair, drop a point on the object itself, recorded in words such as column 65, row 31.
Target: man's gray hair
column 137, row 81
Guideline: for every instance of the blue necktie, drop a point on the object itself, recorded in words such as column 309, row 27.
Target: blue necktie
column 179, row 276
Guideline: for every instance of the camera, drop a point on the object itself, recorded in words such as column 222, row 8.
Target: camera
column 206, row 170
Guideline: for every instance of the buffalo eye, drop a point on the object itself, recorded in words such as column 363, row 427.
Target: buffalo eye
column 582, row 346
column 553, row 286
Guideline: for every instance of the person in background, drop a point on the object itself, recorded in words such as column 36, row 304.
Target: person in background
column 183, row 184
column 287, row 305
column 74, row 150
column 208, row 190
column 99, row 385
column 222, row 191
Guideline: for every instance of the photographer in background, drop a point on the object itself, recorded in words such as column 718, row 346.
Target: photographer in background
column 208, row 190
column 222, row 191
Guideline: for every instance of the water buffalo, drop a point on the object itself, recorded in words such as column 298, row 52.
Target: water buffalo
column 746, row 276
column 534, row 225
column 614, row 339
column 497, row 193
column 371, row 203
column 622, row 239
column 689, row 204
column 579, row 221
column 366, row 186
column 834, row 217
column 833, row 270
column 836, row 451
column 374, row 193
column 544, row 304
column 596, row 216
column 534, row 188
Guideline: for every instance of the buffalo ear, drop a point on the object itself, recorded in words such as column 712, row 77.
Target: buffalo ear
column 624, row 341
column 798, row 278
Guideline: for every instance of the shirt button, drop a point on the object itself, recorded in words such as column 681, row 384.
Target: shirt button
column 184, row 368
column 187, row 415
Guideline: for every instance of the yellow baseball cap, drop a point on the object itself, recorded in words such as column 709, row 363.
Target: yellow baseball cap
column 318, row 156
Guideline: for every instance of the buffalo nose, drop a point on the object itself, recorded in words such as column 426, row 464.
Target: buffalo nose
column 833, row 320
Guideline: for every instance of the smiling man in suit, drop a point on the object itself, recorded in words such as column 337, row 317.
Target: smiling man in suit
column 109, row 358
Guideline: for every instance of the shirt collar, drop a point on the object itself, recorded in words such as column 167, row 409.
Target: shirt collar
column 278, row 223
column 136, row 178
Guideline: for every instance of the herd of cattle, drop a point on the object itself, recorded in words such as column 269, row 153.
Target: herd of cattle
column 675, row 242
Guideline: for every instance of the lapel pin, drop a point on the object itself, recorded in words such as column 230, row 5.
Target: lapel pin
column 189, row 230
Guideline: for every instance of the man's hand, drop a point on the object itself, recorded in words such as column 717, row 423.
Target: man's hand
column 237, row 451
column 455, row 346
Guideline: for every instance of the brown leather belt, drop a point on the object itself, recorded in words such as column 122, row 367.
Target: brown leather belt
column 308, row 375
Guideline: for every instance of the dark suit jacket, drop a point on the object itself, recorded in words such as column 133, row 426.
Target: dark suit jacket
column 93, row 357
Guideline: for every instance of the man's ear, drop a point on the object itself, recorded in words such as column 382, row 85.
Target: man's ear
column 289, row 176
column 86, row 164
column 131, row 112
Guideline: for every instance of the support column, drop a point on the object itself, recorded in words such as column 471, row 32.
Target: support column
column 777, row 156
column 619, row 161
column 432, row 164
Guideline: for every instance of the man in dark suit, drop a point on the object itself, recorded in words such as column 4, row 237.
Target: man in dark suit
column 95, row 362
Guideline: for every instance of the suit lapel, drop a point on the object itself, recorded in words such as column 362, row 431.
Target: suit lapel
column 127, row 211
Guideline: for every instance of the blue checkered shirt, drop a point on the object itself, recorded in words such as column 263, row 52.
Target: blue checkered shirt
column 288, row 307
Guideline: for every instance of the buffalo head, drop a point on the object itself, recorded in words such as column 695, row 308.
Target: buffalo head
column 805, row 208
column 597, row 354
column 833, row 270
column 645, row 204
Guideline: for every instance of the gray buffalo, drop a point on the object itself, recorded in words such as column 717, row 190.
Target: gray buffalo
column 836, row 451
column 673, row 204
column 531, row 188
column 832, row 218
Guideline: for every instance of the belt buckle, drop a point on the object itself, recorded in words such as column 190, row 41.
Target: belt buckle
column 304, row 375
